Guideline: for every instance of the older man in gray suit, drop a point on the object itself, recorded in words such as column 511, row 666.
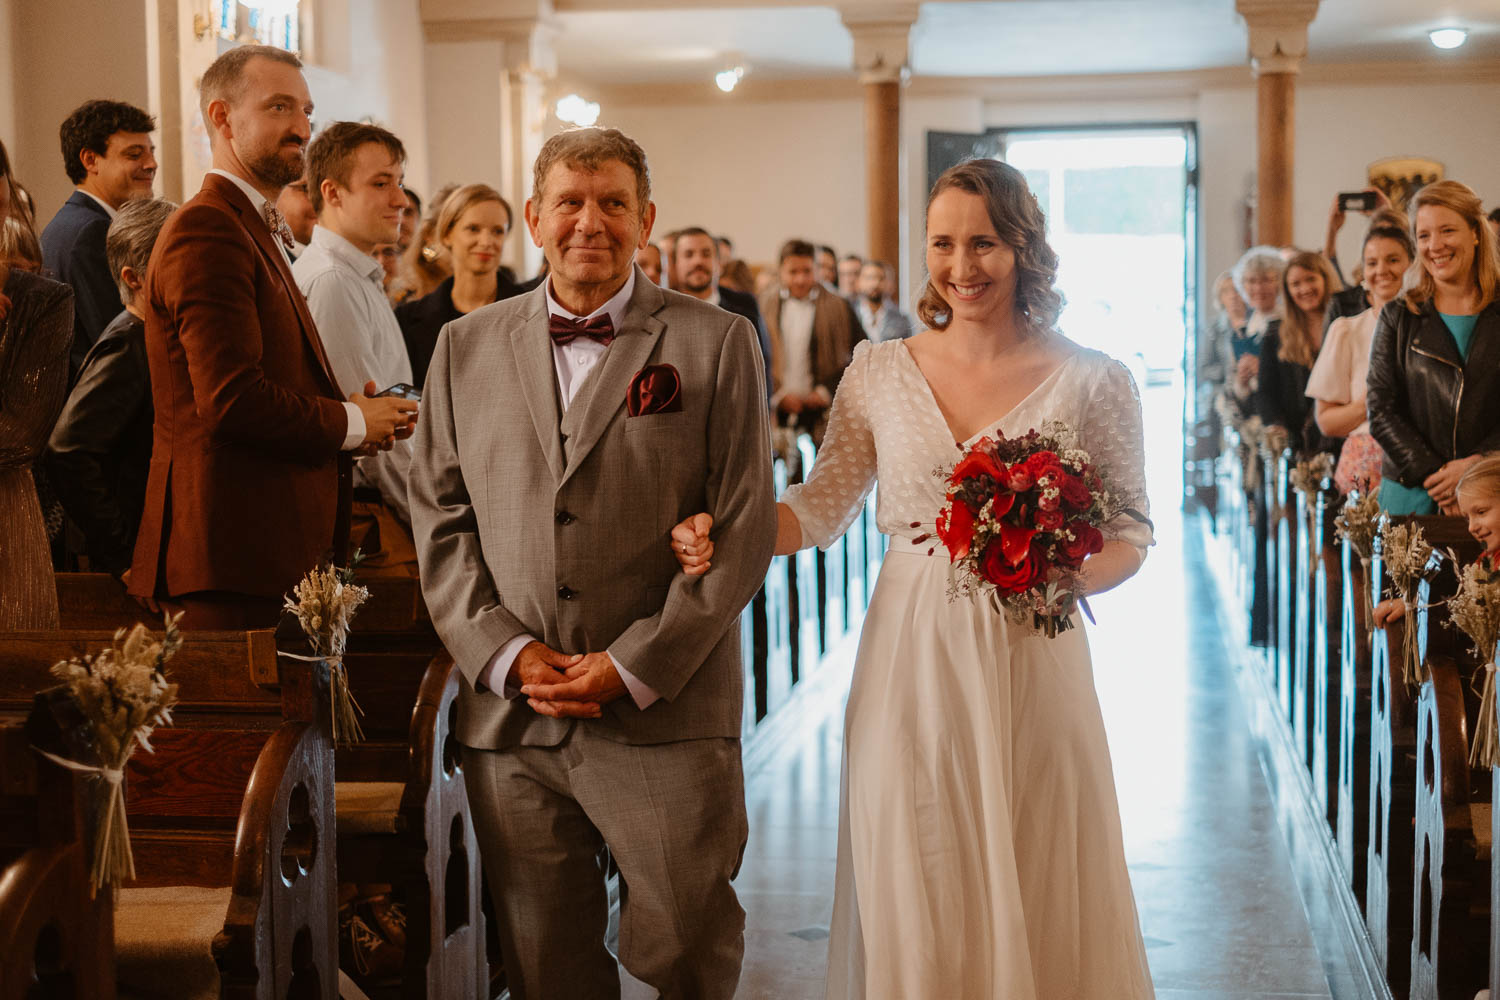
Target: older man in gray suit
column 565, row 433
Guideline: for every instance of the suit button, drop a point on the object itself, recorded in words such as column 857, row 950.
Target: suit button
column 566, row 593
column 563, row 517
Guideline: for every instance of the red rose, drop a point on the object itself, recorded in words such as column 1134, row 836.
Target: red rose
column 1086, row 540
column 1075, row 493
column 975, row 464
column 1008, row 578
column 956, row 528
column 1019, row 478
column 1049, row 499
column 1049, row 520
column 1044, row 464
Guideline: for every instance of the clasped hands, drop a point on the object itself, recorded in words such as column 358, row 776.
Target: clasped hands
column 388, row 419
column 563, row 686
column 1442, row 483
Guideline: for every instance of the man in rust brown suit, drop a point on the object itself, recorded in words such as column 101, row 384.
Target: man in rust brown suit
column 250, row 462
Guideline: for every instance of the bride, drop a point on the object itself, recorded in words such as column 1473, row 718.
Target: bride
column 980, row 853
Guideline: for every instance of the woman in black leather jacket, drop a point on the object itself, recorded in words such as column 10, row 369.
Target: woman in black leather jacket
column 1434, row 382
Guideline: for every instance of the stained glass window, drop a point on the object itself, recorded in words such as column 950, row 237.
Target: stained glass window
column 267, row 22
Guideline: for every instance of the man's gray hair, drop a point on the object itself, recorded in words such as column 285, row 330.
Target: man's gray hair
column 591, row 148
column 225, row 77
column 131, row 237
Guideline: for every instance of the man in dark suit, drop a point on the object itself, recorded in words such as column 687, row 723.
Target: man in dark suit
column 697, row 268
column 249, row 485
column 108, row 154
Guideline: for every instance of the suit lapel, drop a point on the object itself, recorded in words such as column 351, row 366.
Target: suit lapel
column 538, row 375
column 603, row 392
column 271, row 250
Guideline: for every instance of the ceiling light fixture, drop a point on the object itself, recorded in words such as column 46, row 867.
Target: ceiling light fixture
column 576, row 111
column 1448, row 38
column 729, row 77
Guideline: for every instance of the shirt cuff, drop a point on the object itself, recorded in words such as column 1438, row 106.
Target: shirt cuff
column 355, row 436
column 640, row 691
column 496, row 673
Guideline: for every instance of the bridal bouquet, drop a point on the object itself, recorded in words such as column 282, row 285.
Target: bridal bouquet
column 1019, row 518
column 124, row 694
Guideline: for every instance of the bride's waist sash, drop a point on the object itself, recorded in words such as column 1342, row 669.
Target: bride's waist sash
column 900, row 543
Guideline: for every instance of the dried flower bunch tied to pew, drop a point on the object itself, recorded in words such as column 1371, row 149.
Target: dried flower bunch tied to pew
column 325, row 602
column 1309, row 475
column 124, row 694
column 1359, row 523
column 1405, row 552
column 1475, row 610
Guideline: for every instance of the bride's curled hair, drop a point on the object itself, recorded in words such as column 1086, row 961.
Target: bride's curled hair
column 1019, row 222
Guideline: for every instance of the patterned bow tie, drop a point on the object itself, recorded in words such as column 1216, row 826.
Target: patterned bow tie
column 276, row 223
column 565, row 331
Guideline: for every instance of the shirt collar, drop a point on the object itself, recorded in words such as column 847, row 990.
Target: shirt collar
column 340, row 249
column 99, row 201
column 812, row 296
column 615, row 307
column 257, row 200
column 714, row 297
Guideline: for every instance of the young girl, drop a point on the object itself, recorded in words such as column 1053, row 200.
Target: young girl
column 1478, row 496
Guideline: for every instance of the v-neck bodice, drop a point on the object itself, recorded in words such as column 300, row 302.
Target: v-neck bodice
column 886, row 425
column 988, row 428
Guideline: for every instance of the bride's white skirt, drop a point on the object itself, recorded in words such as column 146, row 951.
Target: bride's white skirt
column 980, row 853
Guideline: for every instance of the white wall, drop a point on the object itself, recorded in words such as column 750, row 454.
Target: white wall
column 759, row 172
column 62, row 53
column 373, row 53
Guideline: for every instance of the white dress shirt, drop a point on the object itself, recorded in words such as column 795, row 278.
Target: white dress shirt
column 354, row 435
column 572, row 362
column 113, row 212
column 797, row 317
column 362, row 340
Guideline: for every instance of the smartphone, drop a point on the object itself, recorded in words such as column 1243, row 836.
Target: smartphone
column 403, row 390
column 1357, row 201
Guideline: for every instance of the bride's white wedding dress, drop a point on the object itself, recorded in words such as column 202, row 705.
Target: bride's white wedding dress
column 980, row 853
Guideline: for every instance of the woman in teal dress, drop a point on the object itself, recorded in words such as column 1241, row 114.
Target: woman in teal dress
column 1434, row 381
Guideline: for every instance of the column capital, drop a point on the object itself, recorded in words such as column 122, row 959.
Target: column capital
column 882, row 33
column 527, row 29
column 1278, row 32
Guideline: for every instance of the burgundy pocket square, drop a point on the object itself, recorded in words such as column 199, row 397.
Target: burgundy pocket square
column 655, row 389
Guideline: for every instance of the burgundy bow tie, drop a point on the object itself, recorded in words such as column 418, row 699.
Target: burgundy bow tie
column 565, row 331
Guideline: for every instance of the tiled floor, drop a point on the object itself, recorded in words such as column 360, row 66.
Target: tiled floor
column 1218, row 902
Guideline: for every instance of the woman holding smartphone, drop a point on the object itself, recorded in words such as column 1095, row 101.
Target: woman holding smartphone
column 1434, row 382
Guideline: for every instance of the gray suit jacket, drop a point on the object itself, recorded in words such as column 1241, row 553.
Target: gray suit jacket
column 527, row 523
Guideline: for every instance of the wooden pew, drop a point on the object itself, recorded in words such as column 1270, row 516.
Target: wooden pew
column 1327, row 601
column 391, row 789
column 1451, row 867
column 1393, row 762
column 59, row 935
column 1353, row 809
column 831, row 572
column 1258, row 550
column 1279, row 573
column 1451, row 870
column 1494, row 978
column 1299, row 562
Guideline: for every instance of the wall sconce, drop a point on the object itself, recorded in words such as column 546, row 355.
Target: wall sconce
column 576, row 111
column 1448, row 38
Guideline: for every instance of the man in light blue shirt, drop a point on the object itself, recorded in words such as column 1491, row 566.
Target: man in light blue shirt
column 354, row 173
